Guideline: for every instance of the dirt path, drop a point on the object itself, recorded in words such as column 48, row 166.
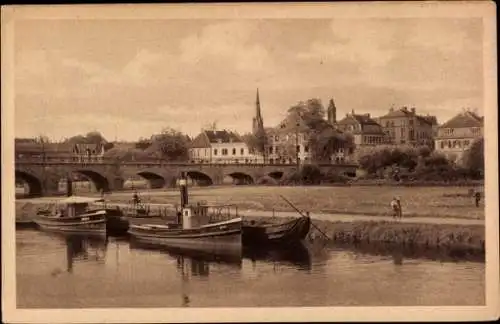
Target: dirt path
column 314, row 215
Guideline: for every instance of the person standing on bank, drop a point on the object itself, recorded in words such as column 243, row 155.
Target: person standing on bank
column 396, row 208
column 477, row 197
column 400, row 209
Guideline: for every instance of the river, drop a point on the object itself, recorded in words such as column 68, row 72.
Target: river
column 76, row 272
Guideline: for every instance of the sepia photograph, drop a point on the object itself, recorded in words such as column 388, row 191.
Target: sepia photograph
column 250, row 162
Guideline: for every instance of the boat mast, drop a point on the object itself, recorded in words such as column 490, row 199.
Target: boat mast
column 184, row 190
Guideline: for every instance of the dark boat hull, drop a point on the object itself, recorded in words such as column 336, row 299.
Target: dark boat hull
column 289, row 233
column 222, row 237
column 93, row 222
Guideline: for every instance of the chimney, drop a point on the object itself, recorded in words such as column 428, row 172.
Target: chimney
column 69, row 186
column 405, row 108
column 332, row 113
column 352, row 111
column 184, row 190
column 413, row 110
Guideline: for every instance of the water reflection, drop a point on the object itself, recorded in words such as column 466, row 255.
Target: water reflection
column 81, row 248
column 399, row 253
column 123, row 273
column 296, row 256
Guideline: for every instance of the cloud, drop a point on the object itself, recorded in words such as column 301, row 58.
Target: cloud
column 227, row 42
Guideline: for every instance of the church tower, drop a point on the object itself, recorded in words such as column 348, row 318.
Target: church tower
column 258, row 122
column 332, row 113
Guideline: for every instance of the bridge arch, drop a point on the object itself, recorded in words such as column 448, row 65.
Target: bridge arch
column 201, row 178
column 241, row 178
column 276, row 175
column 157, row 178
column 35, row 187
column 100, row 181
column 267, row 180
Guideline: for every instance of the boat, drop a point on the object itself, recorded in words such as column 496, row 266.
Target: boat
column 198, row 227
column 75, row 217
column 265, row 234
column 74, row 214
column 269, row 234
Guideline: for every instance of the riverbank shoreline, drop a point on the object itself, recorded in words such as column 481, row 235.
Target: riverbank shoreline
column 460, row 239
column 437, row 202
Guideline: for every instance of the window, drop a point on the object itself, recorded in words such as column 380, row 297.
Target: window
column 297, row 148
column 224, row 151
column 215, row 151
column 242, row 151
column 306, row 148
column 234, row 151
column 270, row 150
column 442, row 145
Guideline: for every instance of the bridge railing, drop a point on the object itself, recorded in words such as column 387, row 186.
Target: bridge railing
column 110, row 161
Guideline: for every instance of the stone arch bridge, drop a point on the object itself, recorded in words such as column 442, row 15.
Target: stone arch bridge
column 43, row 177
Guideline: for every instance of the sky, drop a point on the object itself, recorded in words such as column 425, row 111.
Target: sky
column 132, row 78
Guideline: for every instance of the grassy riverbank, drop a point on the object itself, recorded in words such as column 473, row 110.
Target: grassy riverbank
column 452, row 241
column 416, row 201
column 362, row 200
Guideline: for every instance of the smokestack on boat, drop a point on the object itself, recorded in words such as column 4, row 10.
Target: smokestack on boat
column 184, row 190
column 69, row 186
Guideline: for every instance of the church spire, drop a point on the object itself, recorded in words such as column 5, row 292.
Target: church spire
column 257, row 106
column 258, row 122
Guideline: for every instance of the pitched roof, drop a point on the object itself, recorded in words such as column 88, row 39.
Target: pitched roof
column 397, row 113
column 363, row 120
column 207, row 137
column 223, row 136
column 464, row 119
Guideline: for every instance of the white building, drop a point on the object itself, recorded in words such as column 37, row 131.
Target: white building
column 220, row 147
column 457, row 135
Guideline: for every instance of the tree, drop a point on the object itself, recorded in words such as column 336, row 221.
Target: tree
column 324, row 143
column 256, row 144
column 311, row 111
column 42, row 139
column 143, row 143
column 170, row 145
column 126, row 155
column 474, row 157
column 93, row 137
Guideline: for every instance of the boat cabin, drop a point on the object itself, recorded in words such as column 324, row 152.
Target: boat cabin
column 76, row 205
column 194, row 216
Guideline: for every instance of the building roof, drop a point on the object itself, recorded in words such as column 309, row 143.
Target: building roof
column 405, row 112
column 364, row 121
column 207, row 137
column 463, row 120
column 222, row 136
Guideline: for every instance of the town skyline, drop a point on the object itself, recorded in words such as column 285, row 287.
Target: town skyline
column 73, row 77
